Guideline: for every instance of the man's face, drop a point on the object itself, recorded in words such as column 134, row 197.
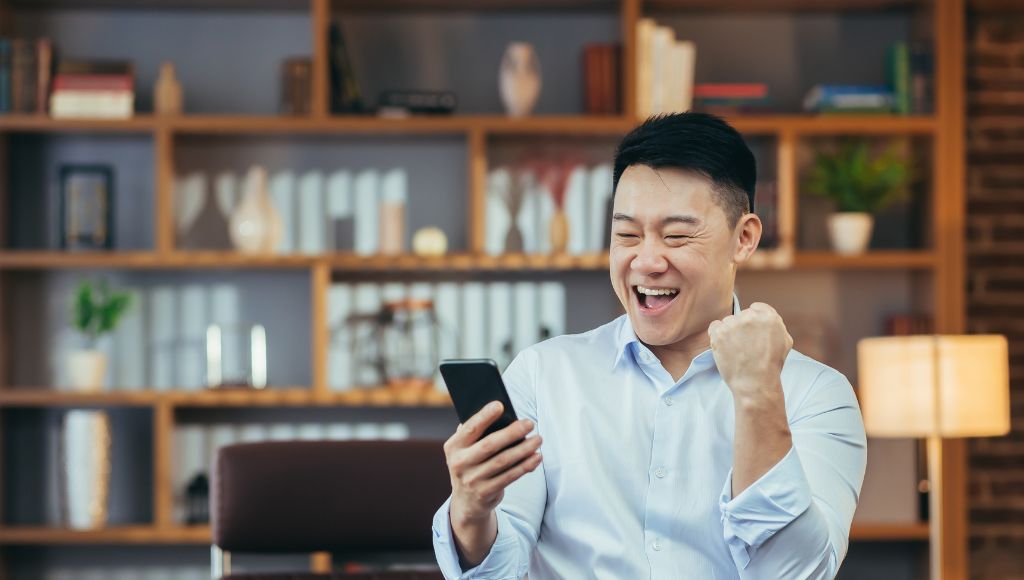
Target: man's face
column 672, row 253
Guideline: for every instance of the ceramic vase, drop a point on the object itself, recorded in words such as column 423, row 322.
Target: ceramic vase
column 255, row 224
column 519, row 80
column 850, row 232
column 85, row 447
column 167, row 94
column 559, row 232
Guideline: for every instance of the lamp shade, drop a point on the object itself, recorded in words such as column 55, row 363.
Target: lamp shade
column 934, row 385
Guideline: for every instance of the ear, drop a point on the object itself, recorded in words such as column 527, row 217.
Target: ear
column 747, row 234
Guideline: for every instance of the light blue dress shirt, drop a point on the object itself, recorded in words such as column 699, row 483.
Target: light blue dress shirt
column 636, row 480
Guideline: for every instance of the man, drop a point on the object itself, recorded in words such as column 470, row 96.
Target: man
column 685, row 439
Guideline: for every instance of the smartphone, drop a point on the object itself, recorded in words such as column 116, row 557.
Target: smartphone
column 472, row 383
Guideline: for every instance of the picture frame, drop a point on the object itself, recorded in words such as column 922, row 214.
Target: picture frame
column 86, row 207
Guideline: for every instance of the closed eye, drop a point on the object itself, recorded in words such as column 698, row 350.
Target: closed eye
column 678, row 237
column 627, row 235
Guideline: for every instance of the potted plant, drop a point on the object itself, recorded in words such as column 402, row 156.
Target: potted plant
column 861, row 181
column 95, row 312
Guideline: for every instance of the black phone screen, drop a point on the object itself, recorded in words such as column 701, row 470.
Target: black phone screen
column 472, row 383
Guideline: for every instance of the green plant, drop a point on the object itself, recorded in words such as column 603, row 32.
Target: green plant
column 858, row 178
column 96, row 309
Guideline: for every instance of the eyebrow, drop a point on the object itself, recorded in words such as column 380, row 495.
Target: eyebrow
column 687, row 220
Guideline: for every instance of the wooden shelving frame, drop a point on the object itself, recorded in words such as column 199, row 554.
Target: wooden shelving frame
column 943, row 262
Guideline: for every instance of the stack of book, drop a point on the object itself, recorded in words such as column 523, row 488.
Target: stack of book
column 93, row 90
column 909, row 70
column 25, row 71
column 601, row 71
column 732, row 98
column 849, row 99
column 665, row 68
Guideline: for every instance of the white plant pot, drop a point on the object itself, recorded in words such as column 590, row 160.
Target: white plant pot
column 86, row 370
column 850, row 232
column 519, row 79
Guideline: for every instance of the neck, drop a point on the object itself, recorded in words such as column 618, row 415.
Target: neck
column 676, row 357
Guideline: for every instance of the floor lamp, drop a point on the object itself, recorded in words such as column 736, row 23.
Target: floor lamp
column 935, row 387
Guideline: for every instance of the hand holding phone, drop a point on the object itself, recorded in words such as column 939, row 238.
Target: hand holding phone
column 488, row 452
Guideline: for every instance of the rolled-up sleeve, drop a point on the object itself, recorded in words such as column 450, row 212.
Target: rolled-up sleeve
column 520, row 512
column 794, row 521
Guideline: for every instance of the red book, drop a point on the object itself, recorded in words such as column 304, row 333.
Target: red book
column 615, row 86
column 731, row 90
column 89, row 82
column 591, row 79
column 44, row 62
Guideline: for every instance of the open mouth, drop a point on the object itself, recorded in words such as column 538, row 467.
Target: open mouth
column 654, row 300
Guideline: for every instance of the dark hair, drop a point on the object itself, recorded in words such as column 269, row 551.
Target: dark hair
column 698, row 142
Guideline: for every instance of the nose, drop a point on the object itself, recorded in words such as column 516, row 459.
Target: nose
column 649, row 259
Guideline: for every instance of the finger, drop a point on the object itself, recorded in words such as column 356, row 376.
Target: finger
column 487, row 447
column 713, row 329
column 504, row 460
column 496, row 484
column 761, row 306
column 470, row 431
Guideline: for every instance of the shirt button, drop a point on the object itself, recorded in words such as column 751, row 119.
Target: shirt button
column 668, row 401
column 656, row 545
column 660, row 472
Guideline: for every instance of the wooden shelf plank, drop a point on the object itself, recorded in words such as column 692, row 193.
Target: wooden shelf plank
column 115, row 535
column 269, row 397
column 461, row 262
column 186, row 535
column 303, row 5
column 867, row 532
column 835, row 124
column 876, row 260
column 562, row 125
column 781, row 5
column 45, row 124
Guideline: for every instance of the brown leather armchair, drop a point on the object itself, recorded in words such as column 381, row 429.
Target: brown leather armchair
column 360, row 498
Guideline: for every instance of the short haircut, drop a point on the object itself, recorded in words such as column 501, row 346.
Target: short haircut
column 697, row 142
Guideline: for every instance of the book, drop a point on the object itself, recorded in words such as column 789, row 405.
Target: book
column 576, row 202
column 644, row 74
column 366, row 211
column 5, row 75
column 282, row 193
column 592, row 81
column 23, row 76
column 44, row 73
column 599, row 183
column 551, row 301
column 345, row 92
column 311, row 223
column 95, row 67
column 394, row 197
column 684, row 64
column 339, row 358
column 851, row 98
column 340, row 214
column 661, row 66
column 92, row 104
column 730, row 91
column 501, row 343
column 473, row 320
column 899, row 77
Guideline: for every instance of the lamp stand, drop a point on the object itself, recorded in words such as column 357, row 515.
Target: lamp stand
column 934, row 444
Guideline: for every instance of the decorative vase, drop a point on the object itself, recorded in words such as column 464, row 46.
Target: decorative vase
column 519, row 80
column 86, row 370
column 559, row 231
column 850, row 232
column 167, row 94
column 85, row 447
column 255, row 224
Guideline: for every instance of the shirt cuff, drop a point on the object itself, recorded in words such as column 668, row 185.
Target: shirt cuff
column 764, row 508
column 500, row 562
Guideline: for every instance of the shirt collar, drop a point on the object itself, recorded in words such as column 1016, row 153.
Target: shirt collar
column 626, row 337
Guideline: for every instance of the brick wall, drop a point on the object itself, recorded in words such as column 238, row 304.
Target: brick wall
column 995, row 266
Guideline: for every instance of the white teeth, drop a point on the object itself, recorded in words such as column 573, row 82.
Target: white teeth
column 656, row 292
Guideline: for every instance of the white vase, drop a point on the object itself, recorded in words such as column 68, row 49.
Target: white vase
column 255, row 224
column 519, row 80
column 850, row 232
column 86, row 370
column 85, row 445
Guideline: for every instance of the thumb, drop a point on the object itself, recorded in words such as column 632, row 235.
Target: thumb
column 712, row 328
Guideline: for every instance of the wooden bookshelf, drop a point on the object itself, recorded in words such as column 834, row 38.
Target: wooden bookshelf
column 942, row 263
